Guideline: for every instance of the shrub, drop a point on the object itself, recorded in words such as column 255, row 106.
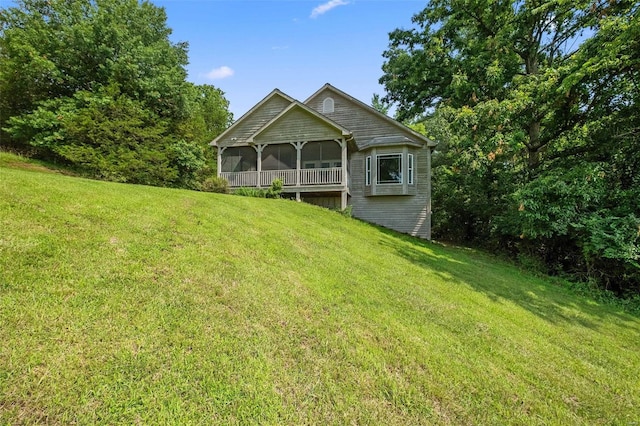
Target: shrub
column 250, row 192
column 215, row 184
column 274, row 191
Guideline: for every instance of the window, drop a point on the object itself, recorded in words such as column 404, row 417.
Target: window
column 337, row 164
column 410, row 169
column 389, row 168
column 327, row 105
column 325, row 165
column 367, row 172
column 309, row 165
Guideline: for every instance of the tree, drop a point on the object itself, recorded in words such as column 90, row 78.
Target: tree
column 108, row 135
column 588, row 196
column 62, row 62
column 524, row 95
column 379, row 105
column 208, row 117
column 52, row 49
column 500, row 57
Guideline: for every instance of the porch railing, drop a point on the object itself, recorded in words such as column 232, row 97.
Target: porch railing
column 288, row 177
column 237, row 179
column 327, row 176
column 332, row 175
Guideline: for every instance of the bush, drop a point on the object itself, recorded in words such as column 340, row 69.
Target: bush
column 215, row 184
column 250, row 192
column 274, row 191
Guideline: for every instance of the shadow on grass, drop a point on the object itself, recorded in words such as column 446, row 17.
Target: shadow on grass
column 498, row 280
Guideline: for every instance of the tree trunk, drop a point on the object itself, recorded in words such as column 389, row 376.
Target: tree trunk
column 534, row 147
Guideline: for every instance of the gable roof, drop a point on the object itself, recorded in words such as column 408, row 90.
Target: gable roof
column 245, row 116
column 373, row 111
column 298, row 105
column 277, row 105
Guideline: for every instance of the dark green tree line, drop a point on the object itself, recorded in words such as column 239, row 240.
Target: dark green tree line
column 100, row 85
column 535, row 105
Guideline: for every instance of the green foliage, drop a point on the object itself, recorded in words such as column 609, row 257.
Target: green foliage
column 108, row 135
column 99, row 84
column 82, row 45
column 552, row 204
column 347, row 212
column 208, row 116
column 579, row 223
column 538, row 129
column 190, row 161
column 274, row 191
column 379, row 104
column 215, row 184
column 245, row 191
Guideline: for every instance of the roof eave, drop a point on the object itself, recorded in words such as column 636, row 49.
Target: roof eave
column 296, row 104
column 246, row 114
column 428, row 141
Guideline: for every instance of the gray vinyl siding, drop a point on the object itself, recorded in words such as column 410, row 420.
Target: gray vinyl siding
column 364, row 124
column 297, row 126
column 261, row 116
column 409, row 214
column 402, row 207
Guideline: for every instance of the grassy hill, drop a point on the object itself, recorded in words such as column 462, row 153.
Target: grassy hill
column 132, row 304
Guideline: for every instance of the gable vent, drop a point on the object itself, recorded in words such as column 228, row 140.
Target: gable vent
column 327, row 105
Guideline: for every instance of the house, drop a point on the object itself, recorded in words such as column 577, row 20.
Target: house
column 335, row 151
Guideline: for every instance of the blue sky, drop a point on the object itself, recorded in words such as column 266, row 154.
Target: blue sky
column 249, row 47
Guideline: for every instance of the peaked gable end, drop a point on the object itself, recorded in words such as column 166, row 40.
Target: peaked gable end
column 240, row 131
column 298, row 123
column 368, row 125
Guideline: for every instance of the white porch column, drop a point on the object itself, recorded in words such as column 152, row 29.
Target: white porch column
column 298, row 160
column 343, row 199
column 258, row 149
column 343, row 145
column 298, row 147
column 220, row 151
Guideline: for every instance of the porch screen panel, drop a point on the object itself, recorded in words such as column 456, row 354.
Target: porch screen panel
column 279, row 157
column 310, row 155
column 239, row 159
column 321, row 154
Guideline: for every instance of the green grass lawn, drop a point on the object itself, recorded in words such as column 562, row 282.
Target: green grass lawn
column 124, row 304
